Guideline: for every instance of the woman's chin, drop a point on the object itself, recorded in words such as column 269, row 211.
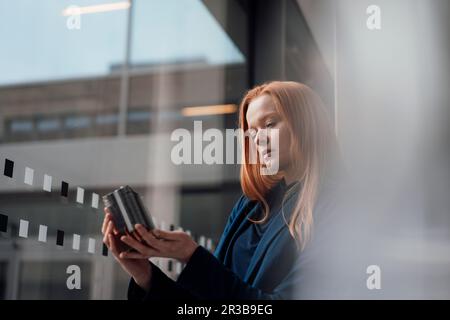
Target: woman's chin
column 270, row 166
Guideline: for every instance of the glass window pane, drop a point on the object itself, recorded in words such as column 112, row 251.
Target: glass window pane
column 42, row 44
column 179, row 32
column 64, row 94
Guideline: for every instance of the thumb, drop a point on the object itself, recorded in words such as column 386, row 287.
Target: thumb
column 163, row 234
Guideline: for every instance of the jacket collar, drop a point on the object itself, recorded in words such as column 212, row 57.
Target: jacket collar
column 249, row 208
column 279, row 223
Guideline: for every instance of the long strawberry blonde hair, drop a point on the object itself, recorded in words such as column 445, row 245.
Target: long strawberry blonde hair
column 313, row 145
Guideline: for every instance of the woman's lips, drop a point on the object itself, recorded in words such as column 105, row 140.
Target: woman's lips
column 266, row 155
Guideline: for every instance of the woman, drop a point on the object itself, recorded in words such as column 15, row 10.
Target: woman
column 270, row 226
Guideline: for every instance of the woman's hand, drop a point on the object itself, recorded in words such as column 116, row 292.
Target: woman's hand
column 158, row 243
column 137, row 268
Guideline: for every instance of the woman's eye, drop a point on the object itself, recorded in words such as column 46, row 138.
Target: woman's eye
column 270, row 124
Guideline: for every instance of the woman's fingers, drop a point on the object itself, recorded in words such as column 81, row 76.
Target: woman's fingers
column 106, row 241
column 132, row 255
column 147, row 251
column 135, row 235
column 113, row 245
column 108, row 217
column 167, row 235
column 108, row 231
column 143, row 232
column 105, row 221
column 150, row 239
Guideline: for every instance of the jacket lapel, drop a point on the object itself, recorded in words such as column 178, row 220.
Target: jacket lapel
column 269, row 236
column 242, row 224
column 223, row 248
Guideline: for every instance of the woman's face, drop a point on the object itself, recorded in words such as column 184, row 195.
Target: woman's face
column 262, row 114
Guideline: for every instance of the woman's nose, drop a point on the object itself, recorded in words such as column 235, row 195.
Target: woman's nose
column 262, row 138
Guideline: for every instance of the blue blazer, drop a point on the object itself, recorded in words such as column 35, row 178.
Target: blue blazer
column 276, row 270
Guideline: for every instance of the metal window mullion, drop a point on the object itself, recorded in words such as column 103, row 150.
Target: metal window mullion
column 125, row 78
